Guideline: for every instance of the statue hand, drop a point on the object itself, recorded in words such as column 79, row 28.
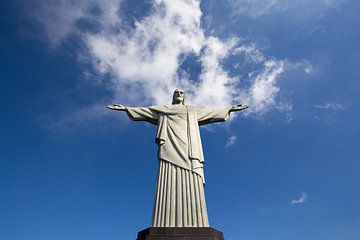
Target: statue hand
column 239, row 107
column 117, row 107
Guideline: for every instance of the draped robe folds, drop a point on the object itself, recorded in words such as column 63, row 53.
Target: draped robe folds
column 179, row 199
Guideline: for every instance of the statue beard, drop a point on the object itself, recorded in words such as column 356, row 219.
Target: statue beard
column 177, row 100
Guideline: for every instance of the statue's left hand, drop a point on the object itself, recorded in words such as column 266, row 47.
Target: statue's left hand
column 239, row 107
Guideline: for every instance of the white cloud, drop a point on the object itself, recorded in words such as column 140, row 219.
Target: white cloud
column 261, row 95
column 216, row 87
column 331, row 106
column 231, row 141
column 60, row 18
column 252, row 53
column 303, row 198
column 142, row 62
column 149, row 56
column 304, row 65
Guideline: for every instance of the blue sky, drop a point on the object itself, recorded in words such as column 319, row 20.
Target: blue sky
column 287, row 168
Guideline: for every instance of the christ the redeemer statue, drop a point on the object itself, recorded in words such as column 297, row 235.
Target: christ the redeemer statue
column 180, row 198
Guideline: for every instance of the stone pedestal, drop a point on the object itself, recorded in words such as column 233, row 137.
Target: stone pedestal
column 180, row 233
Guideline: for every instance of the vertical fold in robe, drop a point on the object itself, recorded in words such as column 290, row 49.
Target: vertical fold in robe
column 183, row 202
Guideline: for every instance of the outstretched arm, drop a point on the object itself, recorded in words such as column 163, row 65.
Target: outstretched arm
column 137, row 113
column 206, row 116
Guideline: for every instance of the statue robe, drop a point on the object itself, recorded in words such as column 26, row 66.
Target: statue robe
column 180, row 199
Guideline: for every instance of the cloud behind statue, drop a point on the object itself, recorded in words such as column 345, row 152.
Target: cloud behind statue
column 144, row 58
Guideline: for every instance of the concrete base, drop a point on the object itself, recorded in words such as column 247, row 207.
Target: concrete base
column 180, row 233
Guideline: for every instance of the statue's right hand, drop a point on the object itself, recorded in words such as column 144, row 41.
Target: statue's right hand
column 118, row 107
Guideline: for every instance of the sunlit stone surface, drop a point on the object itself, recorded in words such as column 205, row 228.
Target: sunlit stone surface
column 179, row 198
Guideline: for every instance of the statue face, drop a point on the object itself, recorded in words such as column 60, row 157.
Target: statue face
column 179, row 96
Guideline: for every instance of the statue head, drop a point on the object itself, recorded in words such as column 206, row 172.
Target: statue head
column 178, row 97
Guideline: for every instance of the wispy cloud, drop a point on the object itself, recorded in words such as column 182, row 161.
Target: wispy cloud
column 260, row 8
column 331, row 106
column 264, row 210
column 287, row 109
column 334, row 3
column 79, row 119
column 256, row 8
column 262, row 93
column 231, row 141
column 62, row 18
column 303, row 198
column 251, row 52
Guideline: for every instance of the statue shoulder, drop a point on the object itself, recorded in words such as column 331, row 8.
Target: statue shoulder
column 159, row 107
